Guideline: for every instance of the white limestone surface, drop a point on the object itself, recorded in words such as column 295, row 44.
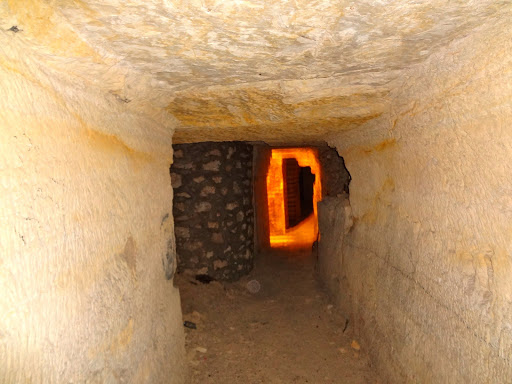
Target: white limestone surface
column 428, row 260
column 273, row 70
column 85, row 231
column 414, row 93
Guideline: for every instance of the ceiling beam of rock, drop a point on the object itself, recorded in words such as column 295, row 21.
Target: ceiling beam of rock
column 281, row 71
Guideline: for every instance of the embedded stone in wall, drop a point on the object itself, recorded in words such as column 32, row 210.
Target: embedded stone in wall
column 213, row 206
column 212, row 166
column 217, row 238
column 175, row 180
column 231, row 206
column 203, row 206
column 215, row 152
column 208, row 190
column 178, row 154
column 182, row 232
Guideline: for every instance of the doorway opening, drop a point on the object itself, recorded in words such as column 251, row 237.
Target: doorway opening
column 293, row 191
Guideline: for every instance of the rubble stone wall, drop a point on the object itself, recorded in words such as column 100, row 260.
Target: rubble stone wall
column 213, row 209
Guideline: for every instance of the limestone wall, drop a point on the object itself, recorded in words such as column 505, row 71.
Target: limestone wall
column 428, row 260
column 86, row 233
column 213, row 208
column 334, row 222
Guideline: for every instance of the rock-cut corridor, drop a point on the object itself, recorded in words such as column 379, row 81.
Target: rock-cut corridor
column 401, row 110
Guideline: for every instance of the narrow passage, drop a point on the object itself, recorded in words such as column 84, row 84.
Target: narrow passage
column 286, row 333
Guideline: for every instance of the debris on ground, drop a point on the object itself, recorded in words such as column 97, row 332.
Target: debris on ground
column 270, row 337
column 190, row 324
column 355, row 345
column 253, row 286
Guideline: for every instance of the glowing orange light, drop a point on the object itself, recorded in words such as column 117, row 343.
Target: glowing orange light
column 306, row 232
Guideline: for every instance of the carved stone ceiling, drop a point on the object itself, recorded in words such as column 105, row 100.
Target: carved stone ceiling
column 286, row 71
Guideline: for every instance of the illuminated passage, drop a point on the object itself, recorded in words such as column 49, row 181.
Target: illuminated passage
column 293, row 190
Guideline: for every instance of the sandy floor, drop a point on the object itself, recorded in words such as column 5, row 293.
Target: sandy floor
column 286, row 333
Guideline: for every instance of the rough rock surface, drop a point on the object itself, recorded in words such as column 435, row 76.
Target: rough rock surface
column 335, row 176
column 415, row 94
column 334, row 223
column 86, row 234
column 213, row 208
column 268, row 70
column 428, row 260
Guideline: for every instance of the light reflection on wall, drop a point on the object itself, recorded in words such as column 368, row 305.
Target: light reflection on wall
column 305, row 233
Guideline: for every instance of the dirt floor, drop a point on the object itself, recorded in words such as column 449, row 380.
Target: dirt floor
column 288, row 332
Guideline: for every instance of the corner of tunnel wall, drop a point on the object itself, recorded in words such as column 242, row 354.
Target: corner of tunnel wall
column 86, row 233
column 261, row 162
column 427, row 262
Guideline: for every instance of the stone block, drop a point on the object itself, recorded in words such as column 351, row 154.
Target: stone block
column 212, row 165
column 203, row 206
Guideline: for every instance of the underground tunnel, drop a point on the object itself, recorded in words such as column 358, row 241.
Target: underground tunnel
column 224, row 193
column 218, row 203
column 338, row 174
